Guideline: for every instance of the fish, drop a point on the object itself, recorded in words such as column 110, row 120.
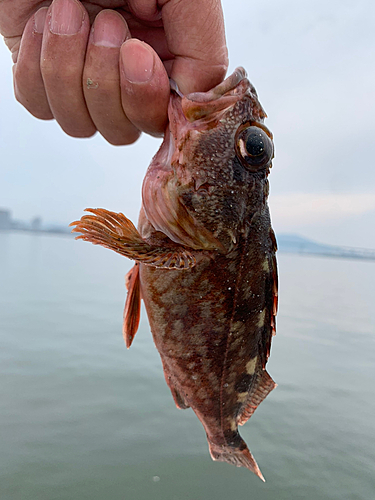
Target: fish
column 205, row 259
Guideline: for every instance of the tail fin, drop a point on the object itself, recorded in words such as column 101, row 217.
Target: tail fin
column 240, row 457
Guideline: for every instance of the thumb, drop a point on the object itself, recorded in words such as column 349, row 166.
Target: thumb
column 196, row 37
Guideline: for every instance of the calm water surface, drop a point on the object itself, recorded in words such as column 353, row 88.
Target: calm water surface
column 83, row 418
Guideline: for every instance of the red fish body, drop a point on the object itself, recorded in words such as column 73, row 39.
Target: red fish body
column 205, row 259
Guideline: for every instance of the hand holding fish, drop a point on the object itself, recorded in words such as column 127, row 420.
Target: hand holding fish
column 94, row 69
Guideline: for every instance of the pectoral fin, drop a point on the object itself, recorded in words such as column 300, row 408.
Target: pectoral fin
column 132, row 310
column 116, row 232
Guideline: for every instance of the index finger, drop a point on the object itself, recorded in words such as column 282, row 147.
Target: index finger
column 195, row 35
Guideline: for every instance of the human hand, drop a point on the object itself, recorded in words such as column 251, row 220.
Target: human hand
column 78, row 63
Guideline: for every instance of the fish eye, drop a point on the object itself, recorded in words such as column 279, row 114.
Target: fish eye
column 254, row 146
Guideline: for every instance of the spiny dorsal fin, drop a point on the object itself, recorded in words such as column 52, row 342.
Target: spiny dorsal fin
column 116, row 232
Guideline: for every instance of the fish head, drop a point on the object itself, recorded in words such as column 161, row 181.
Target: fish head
column 209, row 176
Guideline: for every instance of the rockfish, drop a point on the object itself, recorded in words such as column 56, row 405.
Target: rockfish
column 204, row 255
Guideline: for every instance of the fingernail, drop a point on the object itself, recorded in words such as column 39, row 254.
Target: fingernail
column 109, row 29
column 66, row 17
column 40, row 19
column 137, row 61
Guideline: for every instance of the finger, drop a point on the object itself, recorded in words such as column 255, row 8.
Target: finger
column 195, row 35
column 28, row 83
column 62, row 60
column 146, row 10
column 101, row 79
column 144, row 87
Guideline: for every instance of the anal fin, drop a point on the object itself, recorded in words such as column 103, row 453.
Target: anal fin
column 132, row 310
column 179, row 400
column 260, row 391
column 116, row 232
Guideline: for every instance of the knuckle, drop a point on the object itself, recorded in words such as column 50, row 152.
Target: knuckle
column 38, row 110
column 19, row 97
column 29, row 92
column 79, row 134
column 122, row 135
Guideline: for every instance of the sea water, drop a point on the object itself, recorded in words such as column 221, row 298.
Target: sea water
column 83, row 418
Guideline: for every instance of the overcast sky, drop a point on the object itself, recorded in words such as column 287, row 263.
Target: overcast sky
column 313, row 66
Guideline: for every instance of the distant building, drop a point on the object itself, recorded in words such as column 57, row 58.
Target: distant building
column 36, row 224
column 5, row 219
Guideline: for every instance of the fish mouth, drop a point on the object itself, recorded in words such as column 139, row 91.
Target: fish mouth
column 227, row 85
column 207, row 106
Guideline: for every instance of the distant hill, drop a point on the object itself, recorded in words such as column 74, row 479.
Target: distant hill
column 288, row 243
column 294, row 243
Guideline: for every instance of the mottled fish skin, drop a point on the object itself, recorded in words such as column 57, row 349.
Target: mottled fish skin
column 212, row 306
column 212, row 327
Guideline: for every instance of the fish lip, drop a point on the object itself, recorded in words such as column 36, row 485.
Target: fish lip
column 229, row 84
column 202, row 108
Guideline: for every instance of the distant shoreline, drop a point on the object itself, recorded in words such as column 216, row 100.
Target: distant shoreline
column 292, row 244
column 329, row 255
column 62, row 232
